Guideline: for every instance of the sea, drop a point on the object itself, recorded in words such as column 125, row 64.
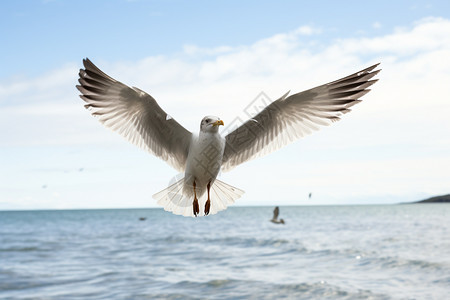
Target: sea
column 321, row 252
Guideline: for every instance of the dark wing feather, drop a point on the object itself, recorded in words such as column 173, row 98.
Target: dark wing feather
column 276, row 211
column 135, row 115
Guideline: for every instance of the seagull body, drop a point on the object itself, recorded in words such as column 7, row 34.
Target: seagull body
column 137, row 116
column 204, row 160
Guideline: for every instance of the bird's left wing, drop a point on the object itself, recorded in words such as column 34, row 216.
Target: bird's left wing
column 135, row 115
column 291, row 118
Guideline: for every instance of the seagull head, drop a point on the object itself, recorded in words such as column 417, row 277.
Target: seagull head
column 210, row 124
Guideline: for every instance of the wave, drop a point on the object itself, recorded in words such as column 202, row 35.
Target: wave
column 249, row 289
column 26, row 249
column 399, row 263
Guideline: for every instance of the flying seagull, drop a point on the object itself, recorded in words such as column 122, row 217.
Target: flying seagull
column 275, row 220
column 137, row 116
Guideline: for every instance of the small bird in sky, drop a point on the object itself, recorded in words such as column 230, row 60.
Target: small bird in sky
column 136, row 115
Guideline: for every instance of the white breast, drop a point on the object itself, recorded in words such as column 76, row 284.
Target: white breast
column 204, row 159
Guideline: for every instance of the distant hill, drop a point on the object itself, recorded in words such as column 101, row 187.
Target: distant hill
column 437, row 199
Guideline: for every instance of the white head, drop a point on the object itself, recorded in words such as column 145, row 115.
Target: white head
column 210, row 124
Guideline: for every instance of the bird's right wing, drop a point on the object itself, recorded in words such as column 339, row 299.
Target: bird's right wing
column 290, row 118
column 135, row 115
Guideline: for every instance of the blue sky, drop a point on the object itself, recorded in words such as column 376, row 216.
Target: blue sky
column 43, row 35
column 214, row 57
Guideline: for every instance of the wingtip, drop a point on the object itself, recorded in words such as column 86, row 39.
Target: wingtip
column 285, row 95
column 88, row 64
column 375, row 68
column 370, row 69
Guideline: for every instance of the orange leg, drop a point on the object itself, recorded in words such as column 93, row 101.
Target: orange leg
column 208, row 202
column 195, row 203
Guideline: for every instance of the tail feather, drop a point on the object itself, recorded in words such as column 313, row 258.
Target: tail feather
column 225, row 195
column 174, row 200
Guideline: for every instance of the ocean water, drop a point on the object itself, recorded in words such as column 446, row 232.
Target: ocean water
column 322, row 252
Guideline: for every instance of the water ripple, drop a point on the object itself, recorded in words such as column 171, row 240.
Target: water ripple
column 320, row 253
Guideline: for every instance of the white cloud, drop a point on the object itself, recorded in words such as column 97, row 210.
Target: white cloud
column 307, row 30
column 195, row 50
column 429, row 34
column 376, row 25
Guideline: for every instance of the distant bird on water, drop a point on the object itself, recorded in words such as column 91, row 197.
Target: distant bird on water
column 137, row 116
column 275, row 220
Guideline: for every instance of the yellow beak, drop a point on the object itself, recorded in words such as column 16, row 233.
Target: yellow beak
column 217, row 123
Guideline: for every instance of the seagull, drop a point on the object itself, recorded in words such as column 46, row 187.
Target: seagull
column 275, row 220
column 136, row 115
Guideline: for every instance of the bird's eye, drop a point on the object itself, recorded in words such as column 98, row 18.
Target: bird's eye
column 207, row 121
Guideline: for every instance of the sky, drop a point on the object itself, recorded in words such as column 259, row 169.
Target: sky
column 200, row 58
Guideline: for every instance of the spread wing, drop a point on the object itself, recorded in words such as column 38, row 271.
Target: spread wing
column 135, row 115
column 276, row 211
column 288, row 119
